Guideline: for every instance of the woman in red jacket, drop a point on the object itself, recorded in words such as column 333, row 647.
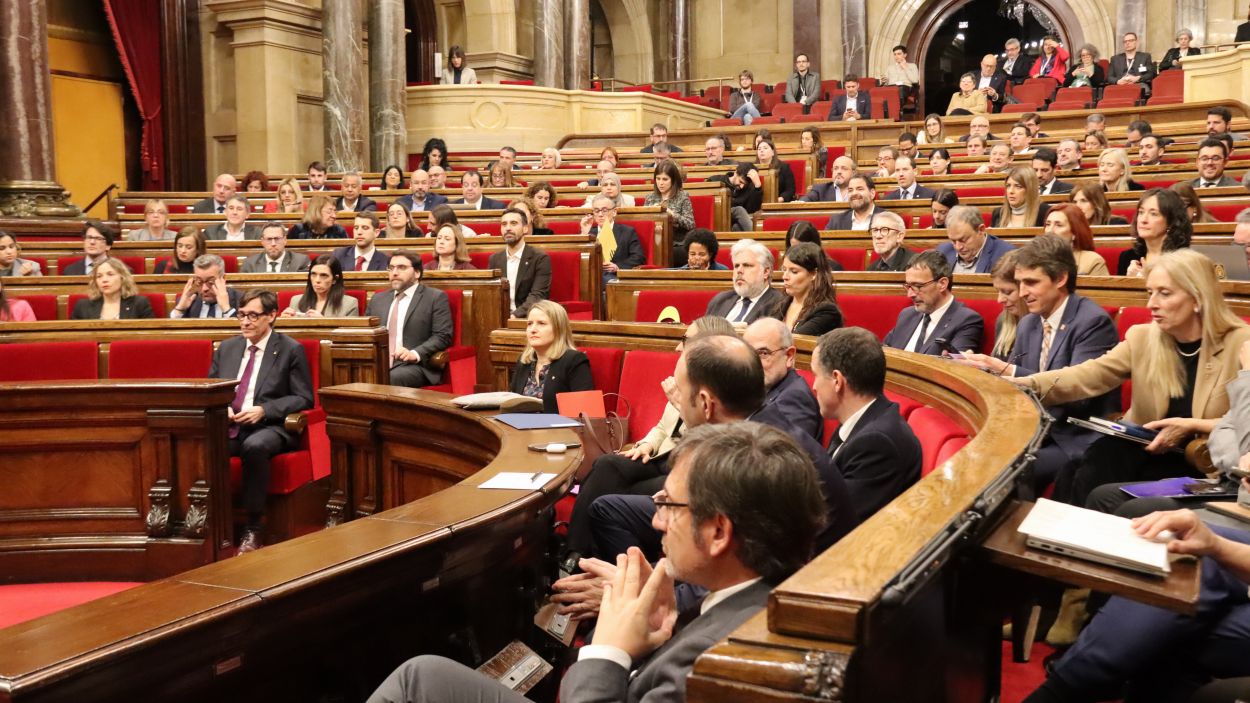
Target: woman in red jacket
column 1052, row 62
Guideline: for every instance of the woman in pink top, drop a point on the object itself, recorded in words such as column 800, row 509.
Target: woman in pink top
column 14, row 310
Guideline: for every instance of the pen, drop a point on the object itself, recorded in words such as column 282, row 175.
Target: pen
column 536, row 475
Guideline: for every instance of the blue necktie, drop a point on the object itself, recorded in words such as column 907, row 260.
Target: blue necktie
column 746, row 305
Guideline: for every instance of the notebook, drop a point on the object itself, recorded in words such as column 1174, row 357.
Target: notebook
column 1182, row 488
column 574, row 403
column 536, row 421
column 1088, row 534
column 1122, row 429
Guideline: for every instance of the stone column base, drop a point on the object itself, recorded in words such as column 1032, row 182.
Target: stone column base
column 35, row 199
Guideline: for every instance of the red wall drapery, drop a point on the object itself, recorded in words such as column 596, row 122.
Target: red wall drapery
column 136, row 27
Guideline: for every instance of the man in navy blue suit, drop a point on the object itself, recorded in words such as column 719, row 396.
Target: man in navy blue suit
column 874, row 448
column 908, row 188
column 970, row 249
column 934, row 313
column 421, row 199
column 1062, row 329
column 786, row 390
column 363, row 256
column 853, row 105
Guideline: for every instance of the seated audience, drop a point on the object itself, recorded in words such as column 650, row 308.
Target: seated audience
column 1115, row 173
column 907, row 145
column 1000, row 160
column 1150, row 150
column 902, row 73
column 1069, row 152
column 1212, row 159
column 457, row 72
column 1135, row 131
column 1013, row 62
column 1067, row 221
column 206, row 295
column 747, row 483
column 1020, row 139
column 1033, row 121
column 275, row 258
column 1220, row 123
column 1162, row 225
column 605, row 167
column 188, row 246
column 550, row 364
column 1044, row 163
column 746, row 196
column 784, row 389
column 618, row 243
column 438, row 177
column 420, row 198
column 363, row 255
column 658, row 133
column 501, row 176
column 1062, row 329
column 761, row 134
column 934, row 131
column 851, row 104
column 319, row 221
column 861, row 194
column 14, row 310
column 1052, row 62
column 701, row 250
column 392, row 179
column 888, row 232
column 886, row 157
column 255, row 182
column 804, row 231
column 766, row 155
column 970, row 249
column 10, row 263
column 417, row 319
column 978, row 126
column 1131, row 66
column 274, row 382
column 809, row 139
column 399, row 223
column 1090, row 197
column 290, row 198
column 991, row 82
column 538, row 225
column 809, row 304
column 155, row 224
column 97, row 242
column 934, row 313
column 610, row 187
column 451, row 252
column 235, row 228
column 832, row 191
column 908, row 188
column 1095, row 141
column 1022, row 205
column 1172, row 57
column 471, row 187
column 803, row 86
column 967, row 100
column 752, row 296
column 1014, row 307
column 543, row 194
column 316, row 178
column 351, row 200
column 1086, row 72
column 874, row 449
column 940, row 162
column 609, row 153
column 224, row 186
column 444, row 215
column 324, row 294
column 667, row 192
column 112, row 295
column 528, row 269
column 745, row 102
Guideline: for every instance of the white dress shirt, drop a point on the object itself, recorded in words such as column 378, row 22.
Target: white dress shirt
column 409, row 293
column 737, row 308
column 250, row 396
column 934, row 318
column 1055, row 318
column 514, row 268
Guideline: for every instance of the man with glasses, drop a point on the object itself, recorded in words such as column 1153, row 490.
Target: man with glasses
column 784, row 388
column 886, row 157
column 417, row 319
column 1212, row 158
column 979, row 126
column 274, row 381
column 618, row 242
column 874, row 449
column 275, row 258
column 970, row 249
column 206, row 295
column 657, row 135
column 934, row 313
column 888, row 233
column 97, row 241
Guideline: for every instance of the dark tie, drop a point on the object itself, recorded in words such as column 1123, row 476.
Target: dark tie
column 746, row 305
column 676, row 429
column 273, row 267
column 212, row 310
column 360, row 263
column 240, row 393
column 1209, row 184
column 902, row 194
column 924, row 329
column 834, row 442
column 220, row 208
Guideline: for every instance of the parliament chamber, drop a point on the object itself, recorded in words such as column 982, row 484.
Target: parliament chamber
column 122, row 575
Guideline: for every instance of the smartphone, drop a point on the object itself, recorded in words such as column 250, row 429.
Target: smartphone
column 949, row 348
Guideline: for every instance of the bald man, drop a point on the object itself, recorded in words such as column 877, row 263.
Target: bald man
column 224, row 186
column 833, row 191
column 992, row 81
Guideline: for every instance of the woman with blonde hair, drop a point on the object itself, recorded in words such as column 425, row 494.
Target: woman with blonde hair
column 112, row 295
column 319, row 221
column 1115, row 173
column 451, row 252
column 1180, row 363
column 550, row 364
column 156, row 224
column 1022, row 201
column 290, row 197
column 1004, row 278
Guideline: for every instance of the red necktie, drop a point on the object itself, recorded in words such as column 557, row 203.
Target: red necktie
column 240, row 392
column 360, row 263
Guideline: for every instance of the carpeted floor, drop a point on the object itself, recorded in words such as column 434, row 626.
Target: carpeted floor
column 1019, row 680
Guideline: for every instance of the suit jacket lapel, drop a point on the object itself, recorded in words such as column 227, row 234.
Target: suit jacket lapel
column 1207, row 375
column 267, row 363
column 1064, row 323
column 412, row 304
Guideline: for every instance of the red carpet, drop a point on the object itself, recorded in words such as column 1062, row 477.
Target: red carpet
column 27, row 601
column 1019, row 680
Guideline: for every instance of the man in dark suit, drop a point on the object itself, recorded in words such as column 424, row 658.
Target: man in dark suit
column 1132, row 66
column 1243, row 33
column 1212, row 158
column 363, row 256
column 527, row 268
column 753, row 295
column 874, row 448
column 992, row 81
column 1015, row 64
column 934, row 313
column 274, row 381
column 223, row 187
column 235, row 228
column 1045, row 163
column 760, row 530
column 979, row 126
column 351, row 200
column 623, row 250
column 471, row 187
column 421, row 199
column 417, row 319
column 852, row 105
column 275, row 258
column 888, row 232
column 1062, row 329
column 206, row 295
column 658, row 133
column 861, row 192
column 785, row 389
column 97, row 241
column 970, row 249
column 832, row 191
column 908, row 188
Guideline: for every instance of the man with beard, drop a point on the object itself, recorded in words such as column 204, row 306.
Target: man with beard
column 861, row 192
column 833, row 191
column 752, row 295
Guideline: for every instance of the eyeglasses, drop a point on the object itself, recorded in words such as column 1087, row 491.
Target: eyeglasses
column 205, row 281
column 603, row 210
column 765, row 353
column 398, row 267
column 251, row 316
column 884, row 231
column 94, row 238
column 917, row 287
column 1210, row 159
column 662, row 502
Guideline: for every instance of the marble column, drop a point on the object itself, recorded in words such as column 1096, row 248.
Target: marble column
column 807, row 27
column 388, row 69
column 577, row 45
column 1130, row 17
column 1192, row 15
column 681, row 44
column 343, row 85
column 854, row 37
column 549, row 43
column 28, row 185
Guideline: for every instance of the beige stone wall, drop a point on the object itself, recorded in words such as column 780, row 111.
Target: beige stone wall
column 1219, row 76
column 729, row 35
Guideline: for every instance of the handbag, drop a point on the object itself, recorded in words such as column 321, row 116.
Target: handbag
column 602, row 435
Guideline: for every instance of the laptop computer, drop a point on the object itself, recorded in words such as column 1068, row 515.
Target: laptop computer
column 1230, row 260
column 1089, row 534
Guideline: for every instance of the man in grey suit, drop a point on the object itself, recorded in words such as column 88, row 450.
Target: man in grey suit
column 275, row 258
column 739, row 512
column 752, row 296
column 528, row 269
column 934, row 313
column 803, row 86
column 223, row 187
column 235, row 228
column 418, row 320
column 206, row 295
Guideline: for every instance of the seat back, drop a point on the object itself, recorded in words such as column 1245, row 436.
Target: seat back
column 646, row 229
column 566, row 276
column 988, row 309
column 788, row 111
column 1025, row 106
column 933, row 429
column 1131, row 316
column 641, row 374
column 44, row 306
column 884, row 102
column 455, row 301
column 160, row 358
column 690, row 304
column 875, row 313
column 49, row 361
column 1111, row 255
column 850, row 259
column 605, row 369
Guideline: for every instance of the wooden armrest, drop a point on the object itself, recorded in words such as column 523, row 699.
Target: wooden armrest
column 296, row 423
column 439, row 360
column 1198, row 455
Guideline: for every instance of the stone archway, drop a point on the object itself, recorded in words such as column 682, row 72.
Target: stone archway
column 632, row 47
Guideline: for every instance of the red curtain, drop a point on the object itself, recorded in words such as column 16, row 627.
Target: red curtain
column 136, row 26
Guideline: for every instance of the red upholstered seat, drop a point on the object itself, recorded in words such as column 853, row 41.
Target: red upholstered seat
column 1131, row 316
column 134, row 263
column 769, row 120
column 566, row 284
column 788, row 111
column 486, row 228
column 799, row 168
column 480, row 259
column 1224, row 213
column 781, row 224
column 461, row 372
column 949, row 447
column 646, row 228
column 44, row 306
column 156, row 300
column 1111, row 255
column 1165, row 100
column 641, row 374
column 605, row 369
column 1067, row 105
column 49, row 361
column 704, row 207
column 906, row 404
column 691, row 304
column 884, row 103
column 564, row 227
column 160, row 358
column 1029, row 106
column 851, row 259
column 988, row 309
column 1082, row 95
column 979, row 192
column 876, row 313
column 20, row 602
column 1106, row 103
column 933, row 429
